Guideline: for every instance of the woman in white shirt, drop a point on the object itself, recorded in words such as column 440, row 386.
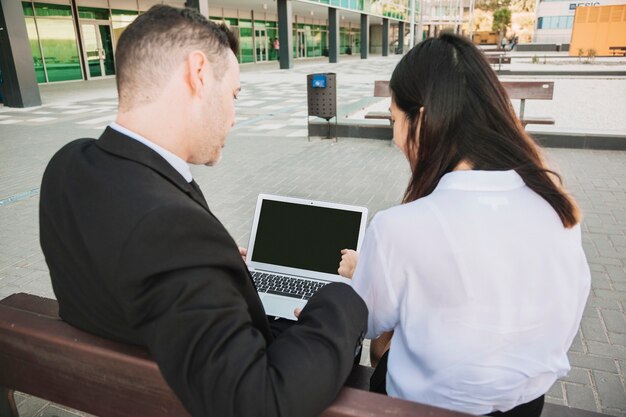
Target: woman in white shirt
column 479, row 278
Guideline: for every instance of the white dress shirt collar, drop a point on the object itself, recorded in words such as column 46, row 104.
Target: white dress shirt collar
column 175, row 161
column 475, row 180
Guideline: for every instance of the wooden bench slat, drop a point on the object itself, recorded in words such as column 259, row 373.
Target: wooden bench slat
column 384, row 115
column 48, row 358
column 381, row 88
column 535, row 90
column 537, row 121
column 32, row 303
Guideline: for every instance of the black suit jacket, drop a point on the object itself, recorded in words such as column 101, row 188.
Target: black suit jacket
column 136, row 255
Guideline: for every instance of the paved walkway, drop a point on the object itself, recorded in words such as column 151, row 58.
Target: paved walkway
column 268, row 152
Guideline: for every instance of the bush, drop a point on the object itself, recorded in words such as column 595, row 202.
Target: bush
column 591, row 55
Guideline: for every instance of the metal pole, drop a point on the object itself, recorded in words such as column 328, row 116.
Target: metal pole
column 412, row 25
column 471, row 21
column 420, row 24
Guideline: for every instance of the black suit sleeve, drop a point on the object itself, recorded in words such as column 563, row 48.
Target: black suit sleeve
column 184, row 288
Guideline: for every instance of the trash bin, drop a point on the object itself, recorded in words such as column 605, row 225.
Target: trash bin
column 322, row 99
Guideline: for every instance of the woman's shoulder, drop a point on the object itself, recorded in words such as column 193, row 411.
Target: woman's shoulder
column 402, row 215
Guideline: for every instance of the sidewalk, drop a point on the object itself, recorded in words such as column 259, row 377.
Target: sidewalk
column 268, row 152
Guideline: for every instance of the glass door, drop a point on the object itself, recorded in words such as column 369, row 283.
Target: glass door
column 301, row 44
column 98, row 49
column 260, row 38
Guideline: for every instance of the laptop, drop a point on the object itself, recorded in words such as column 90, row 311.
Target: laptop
column 295, row 248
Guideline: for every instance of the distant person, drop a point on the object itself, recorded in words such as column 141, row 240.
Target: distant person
column 514, row 42
column 276, row 47
column 503, row 42
column 476, row 284
column 136, row 255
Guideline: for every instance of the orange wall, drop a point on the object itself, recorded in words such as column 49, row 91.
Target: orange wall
column 598, row 27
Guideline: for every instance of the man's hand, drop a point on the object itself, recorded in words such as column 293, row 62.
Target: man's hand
column 349, row 258
column 243, row 252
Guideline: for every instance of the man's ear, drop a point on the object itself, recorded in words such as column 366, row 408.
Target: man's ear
column 199, row 72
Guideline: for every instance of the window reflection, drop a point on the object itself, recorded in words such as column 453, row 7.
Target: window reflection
column 60, row 50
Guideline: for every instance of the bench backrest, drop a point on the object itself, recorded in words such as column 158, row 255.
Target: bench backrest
column 44, row 356
column 493, row 59
column 535, row 90
column 381, row 88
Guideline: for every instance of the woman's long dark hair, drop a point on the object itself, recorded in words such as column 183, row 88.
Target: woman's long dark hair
column 467, row 116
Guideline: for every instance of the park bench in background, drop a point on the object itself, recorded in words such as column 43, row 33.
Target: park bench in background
column 43, row 356
column 498, row 60
column 381, row 89
column 530, row 90
column 617, row 50
column 516, row 90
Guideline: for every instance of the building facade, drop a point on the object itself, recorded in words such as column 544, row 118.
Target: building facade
column 76, row 39
column 554, row 19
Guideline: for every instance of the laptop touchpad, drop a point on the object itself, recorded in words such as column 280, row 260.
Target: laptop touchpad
column 281, row 306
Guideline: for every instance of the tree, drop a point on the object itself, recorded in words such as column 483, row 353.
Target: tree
column 492, row 5
column 501, row 21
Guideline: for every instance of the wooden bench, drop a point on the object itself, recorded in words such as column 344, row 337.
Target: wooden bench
column 530, row 90
column 498, row 60
column 41, row 355
column 516, row 90
column 381, row 89
column 617, row 50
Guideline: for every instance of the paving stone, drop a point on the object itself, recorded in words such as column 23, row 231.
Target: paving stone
column 616, row 273
column 59, row 411
column 593, row 330
column 613, row 412
column 610, row 390
column 556, row 392
column 589, row 361
column 580, row 396
column 615, row 321
column 31, row 407
column 606, row 350
column 617, row 339
column 578, row 375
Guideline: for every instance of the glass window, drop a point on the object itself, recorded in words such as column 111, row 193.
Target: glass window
column 245, row 23
column 46, row 9
column 33, row 40
column 246, row 46
column 60, row 50
column 570, row 22
column 93, row 13
column 117, row 14
column 28, row 9
column 120, row 19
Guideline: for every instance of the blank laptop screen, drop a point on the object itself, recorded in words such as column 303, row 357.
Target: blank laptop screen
column 304, row 236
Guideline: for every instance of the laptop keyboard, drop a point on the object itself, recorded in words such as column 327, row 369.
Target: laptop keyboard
column 287, row 286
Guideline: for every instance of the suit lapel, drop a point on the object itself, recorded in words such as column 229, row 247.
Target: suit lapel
column 121, row 145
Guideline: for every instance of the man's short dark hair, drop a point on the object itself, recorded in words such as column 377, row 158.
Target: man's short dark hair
column 157, row 42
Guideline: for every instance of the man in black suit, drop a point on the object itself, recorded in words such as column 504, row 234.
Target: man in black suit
column 136, row 255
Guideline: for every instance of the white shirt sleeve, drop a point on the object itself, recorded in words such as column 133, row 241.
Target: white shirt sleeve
column 372, row 282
